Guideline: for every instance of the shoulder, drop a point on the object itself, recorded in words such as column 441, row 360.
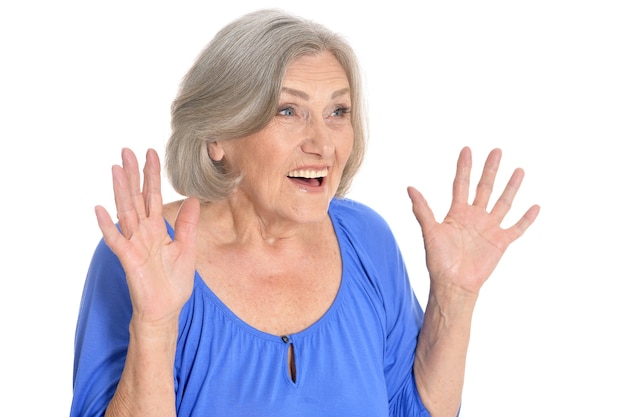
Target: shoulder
column 366, row 238
column 356, row 214
column 352, row 209
column 360, row 222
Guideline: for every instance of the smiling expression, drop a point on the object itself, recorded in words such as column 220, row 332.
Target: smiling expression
column 293, row 166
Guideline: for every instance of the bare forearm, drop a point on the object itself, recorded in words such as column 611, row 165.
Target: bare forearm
column 442, row 350
column 146, row 387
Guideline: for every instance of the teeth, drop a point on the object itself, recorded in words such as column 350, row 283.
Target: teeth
column 307, row 173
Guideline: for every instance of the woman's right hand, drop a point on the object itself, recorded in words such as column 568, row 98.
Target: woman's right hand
column 159, row 270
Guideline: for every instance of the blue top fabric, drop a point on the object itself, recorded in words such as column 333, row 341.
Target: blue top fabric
column 356, row 360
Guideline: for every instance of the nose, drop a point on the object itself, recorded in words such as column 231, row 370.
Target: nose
column 318, row 138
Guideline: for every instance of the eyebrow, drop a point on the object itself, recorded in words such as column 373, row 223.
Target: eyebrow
column 305, row 96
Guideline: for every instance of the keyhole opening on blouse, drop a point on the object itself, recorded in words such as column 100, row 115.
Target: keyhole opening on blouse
column 291, row 362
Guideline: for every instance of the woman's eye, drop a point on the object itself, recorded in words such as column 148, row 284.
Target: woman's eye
column 341, row 111
column 287, row 111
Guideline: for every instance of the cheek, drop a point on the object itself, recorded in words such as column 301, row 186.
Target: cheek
column 345, row 146
column 265, row 166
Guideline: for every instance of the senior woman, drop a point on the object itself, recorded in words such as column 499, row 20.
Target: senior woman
column 266, row 292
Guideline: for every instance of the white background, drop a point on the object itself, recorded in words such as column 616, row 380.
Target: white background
column 543, row 80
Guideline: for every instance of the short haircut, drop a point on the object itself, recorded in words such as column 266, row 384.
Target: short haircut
column 233, row 90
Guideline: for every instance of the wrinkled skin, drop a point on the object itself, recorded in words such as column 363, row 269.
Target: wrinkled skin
column 464, row 249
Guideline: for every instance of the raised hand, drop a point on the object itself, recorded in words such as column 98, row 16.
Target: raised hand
column 159, row 270
column 463, row 250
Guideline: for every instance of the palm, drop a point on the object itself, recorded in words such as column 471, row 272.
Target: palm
column 464, row 249
column 159, row 270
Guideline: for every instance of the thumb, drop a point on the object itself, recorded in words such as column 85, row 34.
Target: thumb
column 421, row 209
column 187, row 221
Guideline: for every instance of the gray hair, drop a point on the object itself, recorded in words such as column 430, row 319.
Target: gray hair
column 233, row 90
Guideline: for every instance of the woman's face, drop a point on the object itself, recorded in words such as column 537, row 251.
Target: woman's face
column 291, row 169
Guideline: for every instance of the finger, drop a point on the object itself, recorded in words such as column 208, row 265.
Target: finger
column 131, row 169
column 152, row 198
column 110, row 232
column 421, row 210
column 487, row 178
column 187, row 222
column 523, row 223
column 124, row 202
column 504, row 203
column 460, row 186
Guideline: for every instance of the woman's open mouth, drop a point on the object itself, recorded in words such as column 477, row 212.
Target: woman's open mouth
column 308, row 177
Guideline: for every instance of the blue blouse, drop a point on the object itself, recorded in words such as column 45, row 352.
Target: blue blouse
column 356, row 360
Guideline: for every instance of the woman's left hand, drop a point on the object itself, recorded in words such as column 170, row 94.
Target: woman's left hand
column 463, row 250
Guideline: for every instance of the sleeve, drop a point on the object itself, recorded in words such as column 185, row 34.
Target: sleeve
column 402, row 314
column 404, row 317
column 102, row 334
column 404, row 399
column 404, row 321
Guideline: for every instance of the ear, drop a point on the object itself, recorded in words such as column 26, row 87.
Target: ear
column 216, row 151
